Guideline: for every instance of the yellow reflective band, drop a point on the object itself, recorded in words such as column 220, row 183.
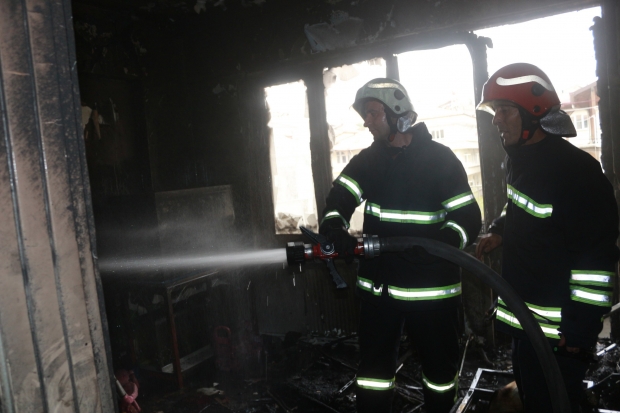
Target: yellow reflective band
column 335, row 214
column 413, row 216
column 415, row 294
column 528, row 204
column 439, row 388
column 352, row 186
column 550, row 313
column 600, row 278
column 373, row 209
column 375, row 384
column 509, row 318
column 461, row 231
column 458, row 201
column 367, row 285
column 405, row 217
column 589, row 296
column 503, row 214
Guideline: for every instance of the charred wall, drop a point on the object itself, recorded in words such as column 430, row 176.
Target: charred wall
column 53, row 334
column 607, row 49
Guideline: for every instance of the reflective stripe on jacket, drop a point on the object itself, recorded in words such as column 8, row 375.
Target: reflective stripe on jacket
column 423, row 191
column 559, row 239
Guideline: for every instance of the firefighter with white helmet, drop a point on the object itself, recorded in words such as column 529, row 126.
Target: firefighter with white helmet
column 558, row 231
column 412, row 186
column 395, row 100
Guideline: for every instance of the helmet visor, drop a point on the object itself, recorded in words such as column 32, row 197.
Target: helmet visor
column 486, row 107
column 490, row 105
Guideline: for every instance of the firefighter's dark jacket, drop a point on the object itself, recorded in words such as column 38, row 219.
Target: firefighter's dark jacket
column 421, row 192
column 559, row 231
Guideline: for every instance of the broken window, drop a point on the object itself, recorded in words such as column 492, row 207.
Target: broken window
column 291, row 171
column 347, row 134
column 440, row 85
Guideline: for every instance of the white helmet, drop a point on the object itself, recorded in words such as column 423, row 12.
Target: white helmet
column 394, row 98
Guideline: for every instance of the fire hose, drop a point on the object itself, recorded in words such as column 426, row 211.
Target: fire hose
column 372, row 246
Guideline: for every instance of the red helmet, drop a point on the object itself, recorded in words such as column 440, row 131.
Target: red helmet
column 523, row 84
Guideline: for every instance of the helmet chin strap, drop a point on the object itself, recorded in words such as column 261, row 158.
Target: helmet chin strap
column 529, row 125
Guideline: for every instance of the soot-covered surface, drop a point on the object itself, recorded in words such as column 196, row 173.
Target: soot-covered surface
column 311, row 373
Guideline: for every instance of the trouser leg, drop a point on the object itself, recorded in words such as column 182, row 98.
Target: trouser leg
column 435, row 335
column 516, row 367
column 531, row 381
column 379, row 338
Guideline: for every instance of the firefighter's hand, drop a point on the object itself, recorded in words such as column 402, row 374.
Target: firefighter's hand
column 562, row 343
column 487, row 243
column 344, row 243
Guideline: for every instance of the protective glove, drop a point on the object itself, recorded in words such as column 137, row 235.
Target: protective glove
column 344, row 243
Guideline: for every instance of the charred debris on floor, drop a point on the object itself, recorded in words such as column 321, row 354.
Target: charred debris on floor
column 316, row 373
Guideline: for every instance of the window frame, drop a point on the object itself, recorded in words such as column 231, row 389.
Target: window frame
column 490, row 151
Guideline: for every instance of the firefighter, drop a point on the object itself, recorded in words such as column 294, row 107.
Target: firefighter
column 558, row 231
column 412, row 186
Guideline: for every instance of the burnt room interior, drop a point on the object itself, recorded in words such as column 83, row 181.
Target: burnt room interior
column 139, row 139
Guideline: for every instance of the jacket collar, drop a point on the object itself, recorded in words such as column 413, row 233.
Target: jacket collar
column 525, row 152
column 421, row 136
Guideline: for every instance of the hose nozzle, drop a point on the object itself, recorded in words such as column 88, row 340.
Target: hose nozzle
column 298, row 253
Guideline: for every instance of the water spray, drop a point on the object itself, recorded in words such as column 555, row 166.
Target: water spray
column 135, row 265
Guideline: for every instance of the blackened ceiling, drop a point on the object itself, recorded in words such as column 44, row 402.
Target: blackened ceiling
column 220, row 37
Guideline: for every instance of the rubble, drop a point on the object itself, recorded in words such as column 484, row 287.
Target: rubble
column 316, row 373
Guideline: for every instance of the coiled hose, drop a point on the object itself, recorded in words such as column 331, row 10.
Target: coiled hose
column 553, row 377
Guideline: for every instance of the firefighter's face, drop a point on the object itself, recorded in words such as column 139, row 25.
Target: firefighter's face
column 508, row 121
column 375, row 119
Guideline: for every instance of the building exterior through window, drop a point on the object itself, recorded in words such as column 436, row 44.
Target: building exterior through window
column 444, row 100
column 582, row 107
column 291, row 171
column 440, row 85
column 347, row 134
column 438, row 134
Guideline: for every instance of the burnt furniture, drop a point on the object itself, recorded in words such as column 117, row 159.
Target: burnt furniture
column 165, row 321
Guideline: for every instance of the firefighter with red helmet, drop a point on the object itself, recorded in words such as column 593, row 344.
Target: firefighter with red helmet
column 558, row 231
column 412, row 186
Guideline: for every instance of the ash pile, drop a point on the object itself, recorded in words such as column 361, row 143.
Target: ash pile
column 316, row 373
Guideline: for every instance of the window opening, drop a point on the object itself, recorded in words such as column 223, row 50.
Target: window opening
column 343, row 157
column 573, row 78
column 347, row 134
column 291, row 171
column 437, row 134
column 440, row 84
column 580, row 120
